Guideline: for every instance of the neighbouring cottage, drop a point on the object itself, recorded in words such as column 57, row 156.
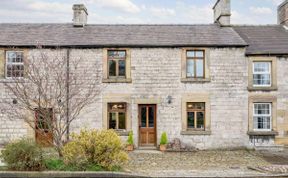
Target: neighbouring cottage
column 212, row 86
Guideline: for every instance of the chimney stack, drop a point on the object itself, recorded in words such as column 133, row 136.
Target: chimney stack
column 79, row 15
column 283, row 13
column 222, row 12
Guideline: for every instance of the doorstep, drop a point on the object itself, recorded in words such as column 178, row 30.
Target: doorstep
column 147, row 148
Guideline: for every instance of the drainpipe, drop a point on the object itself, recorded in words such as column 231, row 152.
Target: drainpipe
column 67, row 94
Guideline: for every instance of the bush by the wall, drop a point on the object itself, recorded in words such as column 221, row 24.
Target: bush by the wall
column 96, row 147
column 23, row 155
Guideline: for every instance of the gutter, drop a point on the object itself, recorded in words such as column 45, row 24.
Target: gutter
column 130, row 46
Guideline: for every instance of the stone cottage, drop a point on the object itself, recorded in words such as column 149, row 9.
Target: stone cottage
column 212, row 86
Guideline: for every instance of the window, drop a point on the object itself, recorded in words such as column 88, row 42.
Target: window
column 262, row 116
column 262, row 74
column 195, row 64
column 117, row 116
column 196, row 116
column 117, row 63
column 14, row 64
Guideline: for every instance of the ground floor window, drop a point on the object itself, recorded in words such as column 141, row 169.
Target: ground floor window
column 262, row 116
column 117, row 116
column 196, row 116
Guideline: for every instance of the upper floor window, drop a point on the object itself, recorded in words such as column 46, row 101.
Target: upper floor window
column 14, row 64
column 117, row 63
column 262, row 74
column 117, row 116
column 262, row 116
column 195, row 63
column 196, row 116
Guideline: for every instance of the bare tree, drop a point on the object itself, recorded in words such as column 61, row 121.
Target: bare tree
column 55, row 89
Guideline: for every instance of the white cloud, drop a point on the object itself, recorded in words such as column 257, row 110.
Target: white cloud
column 239, row 18
column 49, row 6
column 122, row 5
column 162, row 12
column 261, row 10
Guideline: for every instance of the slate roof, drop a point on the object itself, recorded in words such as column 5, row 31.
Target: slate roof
column 118, row 35
column 267, row 39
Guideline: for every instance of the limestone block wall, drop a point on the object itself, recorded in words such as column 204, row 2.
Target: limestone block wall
column 156, row 74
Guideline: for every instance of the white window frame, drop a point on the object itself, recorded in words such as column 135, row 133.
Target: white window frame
column 269, row 72
column 13, row 63
column 263, row 115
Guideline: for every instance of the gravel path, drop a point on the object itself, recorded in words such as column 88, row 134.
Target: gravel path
column 200, row 163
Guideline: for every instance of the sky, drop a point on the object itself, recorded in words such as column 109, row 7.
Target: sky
column 137, row 11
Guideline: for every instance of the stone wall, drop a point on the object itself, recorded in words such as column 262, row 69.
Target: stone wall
column 156, row 74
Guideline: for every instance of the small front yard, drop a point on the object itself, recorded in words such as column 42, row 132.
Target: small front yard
column 200, row 163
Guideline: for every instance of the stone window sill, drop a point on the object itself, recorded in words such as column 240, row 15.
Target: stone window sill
column 262, row 133
column 195, row 80
column 122, row 132
column 190, row 132
column 117, row 80
column 273, row 88
column 6, row 80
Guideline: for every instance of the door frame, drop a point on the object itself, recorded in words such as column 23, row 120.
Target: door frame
column 139, row 126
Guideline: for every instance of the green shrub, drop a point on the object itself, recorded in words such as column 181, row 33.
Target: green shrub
column 103, row 148
column 164, row 139
column 23, row 155
column 54, row 164
column 130, row 139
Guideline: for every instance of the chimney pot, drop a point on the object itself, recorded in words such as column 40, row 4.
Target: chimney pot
column 222, row 12
column 283, row 13
column 79, row 15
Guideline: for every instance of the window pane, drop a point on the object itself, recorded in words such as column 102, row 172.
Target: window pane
column 190, row 120
column 112, row 68
column 11, row 56
column 121, row 68
column 112, row 120
column 200, row 54
column 200, row 120
column 190, row 54
column 151, row 117
column 261, row 79
column 262, row 122
column 262, row 66
column 117, row 54
column 143, row 117
column 190, row 68
column 199, row 68
column 19, row 57
column 198, row 106
column 260, row 109
column 122, row 120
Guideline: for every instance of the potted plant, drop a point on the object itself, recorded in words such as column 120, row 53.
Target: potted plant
column 163, row 141
column 130, row 142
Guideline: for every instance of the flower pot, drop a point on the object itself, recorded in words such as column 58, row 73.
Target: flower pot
column 162, row 148
column 130, row 148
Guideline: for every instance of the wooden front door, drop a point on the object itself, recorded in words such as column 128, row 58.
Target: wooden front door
column 43, row 130
column 147, row 125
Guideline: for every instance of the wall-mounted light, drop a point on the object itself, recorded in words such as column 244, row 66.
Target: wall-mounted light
column 169, row 99
column 14, row 101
